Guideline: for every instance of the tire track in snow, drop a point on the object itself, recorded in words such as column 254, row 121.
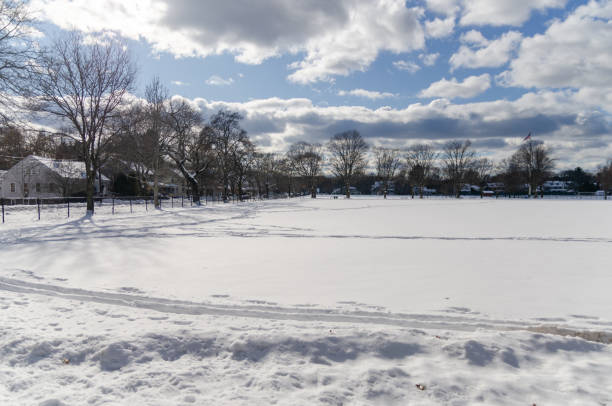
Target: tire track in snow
column 415, row 321
column 424, row 321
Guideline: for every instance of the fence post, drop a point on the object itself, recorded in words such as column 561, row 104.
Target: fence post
column 38, row 205
column 146, row 204
column 173, row 201
column 113, row 200
column 130, row 199
column 182, row 201
column 2, row 204
column 68, row 200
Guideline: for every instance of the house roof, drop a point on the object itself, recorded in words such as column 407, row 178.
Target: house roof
column 64, row 168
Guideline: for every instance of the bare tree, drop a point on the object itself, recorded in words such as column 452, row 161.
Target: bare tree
column 307, row 160
column 512, row 175
column 604, row 177
column 457, row 158
column 190, row 145
column 228, row 137
column 243, row 161
column 134, row 144
column 85, row 85
column 387, row 164
column 420, row 160
column 13, row 147
column 265, row 167
column 481, row 172
column 287, row 172
column 17, row 53
column 534, row 158
column 156, row 96
column 348, row 156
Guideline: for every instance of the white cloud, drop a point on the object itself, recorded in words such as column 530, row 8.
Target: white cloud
column 578, row 136
column 336, row 37
column 370, row 94
column 179, row 83
column 356, row 44
column 215, row 80
column 451, row 89
column 514, row 12
column 475, row 38
column 407, row 66
column 446, row 7
column 494, row 54
column 492, row 12
column 429, row 59
column 440, row 28
column 575, row 52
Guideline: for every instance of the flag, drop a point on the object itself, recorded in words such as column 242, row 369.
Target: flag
column 528, row 137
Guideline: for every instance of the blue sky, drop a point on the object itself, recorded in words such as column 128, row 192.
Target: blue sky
column 399, row 72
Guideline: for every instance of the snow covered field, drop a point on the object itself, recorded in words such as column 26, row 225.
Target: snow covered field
column 311, row 302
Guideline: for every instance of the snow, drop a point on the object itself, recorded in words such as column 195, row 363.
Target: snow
column 326, row 301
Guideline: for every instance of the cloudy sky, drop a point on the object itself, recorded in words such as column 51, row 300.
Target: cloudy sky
column 400, row 72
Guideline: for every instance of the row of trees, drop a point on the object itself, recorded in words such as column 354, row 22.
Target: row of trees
column 87, row 87
column 457, row 163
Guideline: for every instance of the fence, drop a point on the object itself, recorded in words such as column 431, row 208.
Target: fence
column 22, row 210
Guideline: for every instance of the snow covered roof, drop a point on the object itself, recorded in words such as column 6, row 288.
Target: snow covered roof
column 65, row 168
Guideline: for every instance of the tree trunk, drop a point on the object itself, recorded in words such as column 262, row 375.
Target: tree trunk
column 156, row 183
column 313, row 191
column 348, row 190
column 100, row 182
column 91, row 179
column 194, row 186
column 225, row 190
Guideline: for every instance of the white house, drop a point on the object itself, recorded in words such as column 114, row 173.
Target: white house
column 39, row 177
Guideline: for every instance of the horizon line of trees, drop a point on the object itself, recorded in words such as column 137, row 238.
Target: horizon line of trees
column 217, row 156
column 88, row 87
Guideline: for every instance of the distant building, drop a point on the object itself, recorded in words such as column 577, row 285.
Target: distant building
column 467, row 188
column 342, row 191
column 378, row 188
column 39, row 177
column 557, row 186
column 496, row 187
column 426, row 191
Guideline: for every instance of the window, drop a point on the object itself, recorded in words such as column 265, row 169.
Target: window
column 38, row 188
column 12, row 188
